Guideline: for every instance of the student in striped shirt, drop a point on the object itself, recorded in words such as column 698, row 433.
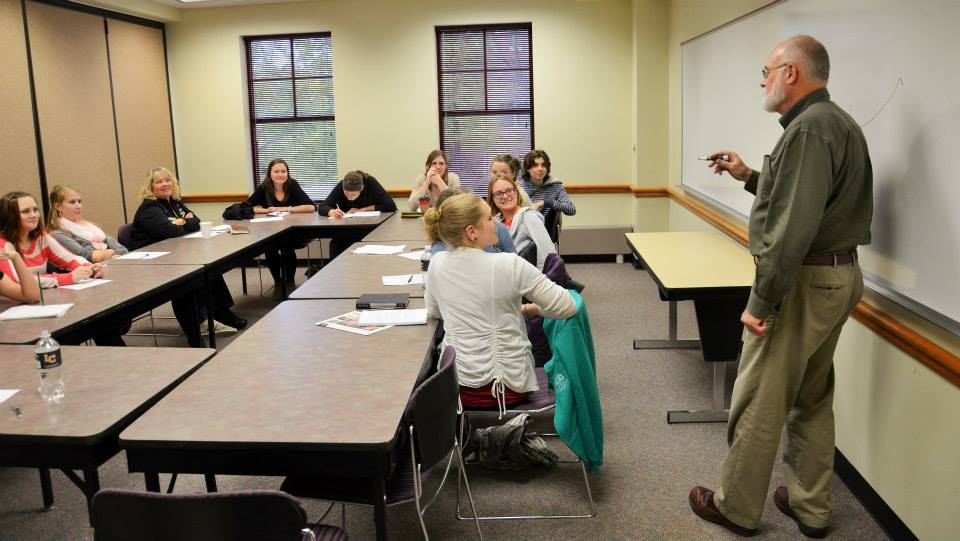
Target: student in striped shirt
column 27, row 291
column 546, row 191
column 22, row 231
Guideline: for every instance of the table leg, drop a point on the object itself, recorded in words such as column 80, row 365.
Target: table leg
column 211, row 481
column 718, row 414
column 152, row 481
column 212, row 335
column 46, row 489
column 672, row 342
column 91, row 482
column 380, row 508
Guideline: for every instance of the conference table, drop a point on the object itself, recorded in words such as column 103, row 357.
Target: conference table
column 399, row 228
column 710, row 270
column 350, row 275
column 106, row 389
column 134, row 288
column 288, row 397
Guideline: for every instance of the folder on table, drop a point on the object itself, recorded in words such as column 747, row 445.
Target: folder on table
column 383, row 301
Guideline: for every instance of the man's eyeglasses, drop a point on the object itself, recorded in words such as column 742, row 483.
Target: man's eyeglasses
column 766, row 71
column 502, row 194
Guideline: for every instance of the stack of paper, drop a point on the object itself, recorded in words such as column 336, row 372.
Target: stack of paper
column 33, row 311
column 268, row 219
column 142, row 255
column 412, row 316
column 379, row 249
column 415, row 256
column 362, row 214
column 93, row 282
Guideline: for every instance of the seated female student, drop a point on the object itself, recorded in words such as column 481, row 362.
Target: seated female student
column 26, row 291
column 81, row 237
column 162, row 215
column 508, row 165
column 279, row 192
column 526, row 225
column 357, row 192
column 23, row 232
column 544, row 190
column 504, row 242
column 433, row 180
column 478, row 296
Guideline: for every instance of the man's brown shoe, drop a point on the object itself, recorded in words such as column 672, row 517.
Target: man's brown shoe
column 701, row 501
column 781, row 498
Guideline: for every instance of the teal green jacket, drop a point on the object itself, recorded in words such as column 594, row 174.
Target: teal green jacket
column 572, row 372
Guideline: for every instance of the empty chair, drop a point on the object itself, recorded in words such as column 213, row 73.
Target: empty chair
column 258, row 515
column 432, row 415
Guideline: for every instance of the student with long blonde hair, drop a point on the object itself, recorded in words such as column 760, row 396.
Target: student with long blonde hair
column 478, row 295
column 65, row 222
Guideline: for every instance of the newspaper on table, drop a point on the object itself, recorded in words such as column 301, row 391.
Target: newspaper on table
column 350, row 322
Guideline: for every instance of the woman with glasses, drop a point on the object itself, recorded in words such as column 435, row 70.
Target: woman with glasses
column 507, row 164
column 434, row 179
column 478, row 296
column 504, row 242
column 529, row 235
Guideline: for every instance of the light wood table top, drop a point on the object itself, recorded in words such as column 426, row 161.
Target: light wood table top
column 106, row 388
column 286, row 382
column 399, row 228
column 693, row 260
column 350, row 275
column 130, row 284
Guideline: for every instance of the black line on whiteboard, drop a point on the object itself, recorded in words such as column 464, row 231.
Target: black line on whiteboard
column 882, row 107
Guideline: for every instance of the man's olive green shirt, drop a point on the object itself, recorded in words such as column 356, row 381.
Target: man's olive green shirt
column 814, row 196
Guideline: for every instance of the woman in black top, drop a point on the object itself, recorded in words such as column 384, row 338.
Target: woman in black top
column 162, row 215
column 357, row 192
column 280, row 193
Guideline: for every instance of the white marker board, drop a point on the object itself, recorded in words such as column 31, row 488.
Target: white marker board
column 894, row 69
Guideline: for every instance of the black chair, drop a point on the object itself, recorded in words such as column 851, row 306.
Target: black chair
column 553, row 221
column 257, row 515
column 537, row 402
column 432, row 415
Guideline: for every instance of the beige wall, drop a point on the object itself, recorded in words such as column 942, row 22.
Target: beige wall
column 896, row 419
column 385, row 85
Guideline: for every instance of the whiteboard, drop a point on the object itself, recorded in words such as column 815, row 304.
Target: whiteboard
column 894, row 69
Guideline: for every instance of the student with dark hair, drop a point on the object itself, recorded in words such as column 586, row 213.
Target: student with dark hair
column 279, row 192
column 545, row 191
column 479, row 298
column 357, row 192
column 162, row 215
column 434, row 179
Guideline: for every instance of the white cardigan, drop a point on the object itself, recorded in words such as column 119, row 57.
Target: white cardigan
column 527, row 226
column 478, row 295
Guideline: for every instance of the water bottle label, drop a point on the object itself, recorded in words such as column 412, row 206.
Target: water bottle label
column 50, row 359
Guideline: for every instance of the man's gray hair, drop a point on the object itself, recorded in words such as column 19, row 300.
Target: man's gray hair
column 807, row 50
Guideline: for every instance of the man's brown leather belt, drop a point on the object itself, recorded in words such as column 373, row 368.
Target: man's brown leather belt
column 831, row 260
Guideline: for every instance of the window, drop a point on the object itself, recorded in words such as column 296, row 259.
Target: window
column 486, row 97
column 290, row 88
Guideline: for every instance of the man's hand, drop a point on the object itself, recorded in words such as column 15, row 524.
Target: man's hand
column 335, row 213
column 733, row 165
column 755, row 325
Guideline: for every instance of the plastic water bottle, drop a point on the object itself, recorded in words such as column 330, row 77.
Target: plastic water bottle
column 425, row 258
column 49, row 368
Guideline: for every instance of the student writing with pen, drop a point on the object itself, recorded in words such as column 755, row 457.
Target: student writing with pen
column 358, row 191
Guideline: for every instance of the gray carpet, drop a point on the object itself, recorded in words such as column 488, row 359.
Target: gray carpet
column 640, row 492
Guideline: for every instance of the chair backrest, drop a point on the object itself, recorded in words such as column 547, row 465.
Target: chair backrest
column 434, row 411
column 125, row 234
column 262, row 515
column 553, row 221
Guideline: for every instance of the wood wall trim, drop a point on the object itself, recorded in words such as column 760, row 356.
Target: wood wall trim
column 650, row 192
column 398, row 193
column 903, row 337
column 214, row 197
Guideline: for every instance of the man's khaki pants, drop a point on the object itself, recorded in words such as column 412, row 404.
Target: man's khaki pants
column 786, row 376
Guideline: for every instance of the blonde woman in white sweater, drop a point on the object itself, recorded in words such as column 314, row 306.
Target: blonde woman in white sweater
column 478, row 296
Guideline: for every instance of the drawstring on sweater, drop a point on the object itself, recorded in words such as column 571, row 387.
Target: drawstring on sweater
column 498, row 391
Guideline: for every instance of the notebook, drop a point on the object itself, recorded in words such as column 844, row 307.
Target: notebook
column 33, row 311
column 383, row 301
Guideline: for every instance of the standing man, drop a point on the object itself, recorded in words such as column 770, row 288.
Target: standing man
column 812, row 209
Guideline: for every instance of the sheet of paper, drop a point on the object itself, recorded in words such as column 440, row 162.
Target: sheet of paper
column 379, row 249
column 402, row 279
column 363, row 214
column 34, row 311
column 223, row 227
column 413, row 316
column 142, row 255
column 87, row 284
column 213, row 233
column 267, row 219
column 7, row 393
column 415, row 256
column 350, row 322
column 277, row 213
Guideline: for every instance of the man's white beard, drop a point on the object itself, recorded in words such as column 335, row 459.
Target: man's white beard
column 776, row 97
